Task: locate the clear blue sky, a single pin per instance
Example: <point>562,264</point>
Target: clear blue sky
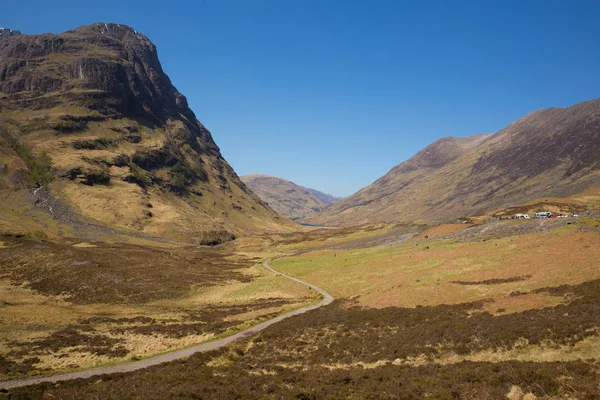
<point>333,93</point>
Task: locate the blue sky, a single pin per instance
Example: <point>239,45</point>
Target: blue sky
<point>331,94</point>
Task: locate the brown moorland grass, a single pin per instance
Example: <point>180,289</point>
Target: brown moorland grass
<point>66,305</point>
<point>345,351</point>
<point>194,379</point>
<point>441,229</point>
<point>510,329</point>
<point>341,238</point>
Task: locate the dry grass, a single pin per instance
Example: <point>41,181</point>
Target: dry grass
<point>123,205</point>
<point>311,238</point>
<point>528,335</point>
<point>587,349</point>
<point>442,229</point>
<point>200,293</point>
<point>409,275</point>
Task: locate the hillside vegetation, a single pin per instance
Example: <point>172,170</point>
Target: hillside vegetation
<point>70,305</point>
<point>90,115</point>
<point>548,153</point>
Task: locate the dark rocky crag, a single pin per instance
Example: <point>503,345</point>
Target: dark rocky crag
<point>5,33</point>
<point>116,61</point>
<point>97,102</point>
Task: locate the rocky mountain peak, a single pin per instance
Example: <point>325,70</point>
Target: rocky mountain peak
<point>117,31</point>
<point>6,33</point>
<point>106,57</point>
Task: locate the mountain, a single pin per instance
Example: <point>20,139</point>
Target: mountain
<point>553,152</point>
<point>92,116</point>
<point>324,197</point>
<point>287,198</point>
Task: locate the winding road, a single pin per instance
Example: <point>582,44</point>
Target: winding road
<point>177,354</point>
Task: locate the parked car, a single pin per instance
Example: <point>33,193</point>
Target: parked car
<point>543,214</point>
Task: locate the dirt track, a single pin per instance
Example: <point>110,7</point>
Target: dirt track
<point>177,354</point>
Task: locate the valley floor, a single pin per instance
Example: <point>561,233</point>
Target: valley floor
<point>70,305</point>
<point>507,309</point>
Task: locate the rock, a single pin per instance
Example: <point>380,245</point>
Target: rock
<point>5,33</point>
<point>138,81</point>
<point>97,177</point>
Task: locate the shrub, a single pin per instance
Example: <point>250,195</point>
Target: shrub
<point>38,165</point>
<point>215,237</point>
<point>139,175</point>
<point>181,177</point>
<point>39,235</point>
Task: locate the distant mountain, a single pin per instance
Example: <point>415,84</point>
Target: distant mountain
<point>549,153</point>
<point>91,114</point>
<point>287,198</point>
<point>324,197</point>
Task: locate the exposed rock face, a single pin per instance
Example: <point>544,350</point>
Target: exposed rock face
<point>287,198</point>
<point>113,59</point>
<point>6,33</point>
<point>548,153</point>
<point>98,102</point>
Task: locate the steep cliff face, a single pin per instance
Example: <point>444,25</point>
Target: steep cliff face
<point>116,61</point>
<point>94,109</point>
<point>547,153</point>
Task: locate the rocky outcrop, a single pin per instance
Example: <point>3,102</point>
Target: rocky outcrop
<point>6,33</point>
<point>110,58</point>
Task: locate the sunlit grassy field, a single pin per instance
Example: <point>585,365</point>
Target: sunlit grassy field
<point>432,272</point>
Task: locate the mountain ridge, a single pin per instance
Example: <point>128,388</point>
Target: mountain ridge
<point>286,197</point>
<point>547,153</point>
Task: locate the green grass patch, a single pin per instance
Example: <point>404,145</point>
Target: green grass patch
<point>39,165</point>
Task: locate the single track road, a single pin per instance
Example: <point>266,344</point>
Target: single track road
<point>177,354</point>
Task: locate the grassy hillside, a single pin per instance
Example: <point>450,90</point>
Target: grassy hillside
<point>548,153</point>
<point>287,198</point>
<point>90,115</point>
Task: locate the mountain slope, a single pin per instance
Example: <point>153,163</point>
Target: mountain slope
<point>324,197</point>
<point>287,198</point>
<point>91,114</point>
<point>548,153</point>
